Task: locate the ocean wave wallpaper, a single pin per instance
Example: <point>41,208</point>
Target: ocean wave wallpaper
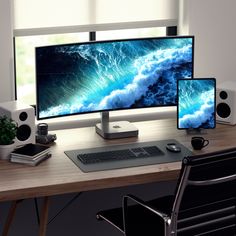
<point>87,77</point>
<point>196,104</point>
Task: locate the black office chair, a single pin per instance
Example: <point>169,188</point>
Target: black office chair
<point>204,202</point>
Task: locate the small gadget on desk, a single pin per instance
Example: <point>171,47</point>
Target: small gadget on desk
<point>196,106</point>
<point>42,135</point>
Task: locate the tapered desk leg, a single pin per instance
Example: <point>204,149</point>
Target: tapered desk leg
<point>10,217</point>
<point>44,217</point>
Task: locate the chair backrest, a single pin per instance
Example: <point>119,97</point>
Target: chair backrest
<point>205,200</point>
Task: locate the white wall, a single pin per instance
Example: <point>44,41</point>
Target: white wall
<point>6,52</point>
<point>213,24</point>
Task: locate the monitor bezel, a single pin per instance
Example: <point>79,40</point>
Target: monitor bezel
<point>107,41</point>
<point>200,128</point>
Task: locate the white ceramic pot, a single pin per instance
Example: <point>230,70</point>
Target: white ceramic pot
<point>5,151</point>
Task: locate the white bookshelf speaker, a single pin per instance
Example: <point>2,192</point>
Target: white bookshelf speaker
<point>226,103</point>
<point>24,116</point>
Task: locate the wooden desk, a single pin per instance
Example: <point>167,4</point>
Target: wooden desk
<point>59,175</point>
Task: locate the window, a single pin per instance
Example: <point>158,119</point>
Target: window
<point>25,60</point>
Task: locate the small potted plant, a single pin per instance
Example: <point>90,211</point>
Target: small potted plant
<point>8,129</point>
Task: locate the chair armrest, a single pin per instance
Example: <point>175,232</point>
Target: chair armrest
<point>138,217</point>
<point>141,203</point>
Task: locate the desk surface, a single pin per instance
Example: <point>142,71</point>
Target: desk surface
<point>59,174</point>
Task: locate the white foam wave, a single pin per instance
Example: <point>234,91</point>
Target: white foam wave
<point>200,116</point>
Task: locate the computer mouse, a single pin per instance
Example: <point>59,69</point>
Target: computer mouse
<point>173,147</point>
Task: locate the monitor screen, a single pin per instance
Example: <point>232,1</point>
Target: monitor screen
<point>196,103</point>
<point>111,75</point>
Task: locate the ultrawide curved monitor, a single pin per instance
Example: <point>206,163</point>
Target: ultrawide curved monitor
<point>111,75</point>
<point>196,104</point>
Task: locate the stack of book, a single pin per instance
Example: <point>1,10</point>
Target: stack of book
<point>31,154</point>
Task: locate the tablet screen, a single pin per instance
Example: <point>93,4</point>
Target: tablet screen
<point>196,103</point>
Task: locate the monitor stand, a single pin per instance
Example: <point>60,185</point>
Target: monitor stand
<point>196,131</point>
<point>117,129</point>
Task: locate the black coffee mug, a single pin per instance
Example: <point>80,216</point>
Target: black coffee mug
<point>199,142</point>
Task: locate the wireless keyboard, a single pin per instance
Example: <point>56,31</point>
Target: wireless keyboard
<point>121,154</point>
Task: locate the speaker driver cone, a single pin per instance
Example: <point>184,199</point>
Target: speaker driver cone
<point>23,132</point>
<point>223,110</point>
